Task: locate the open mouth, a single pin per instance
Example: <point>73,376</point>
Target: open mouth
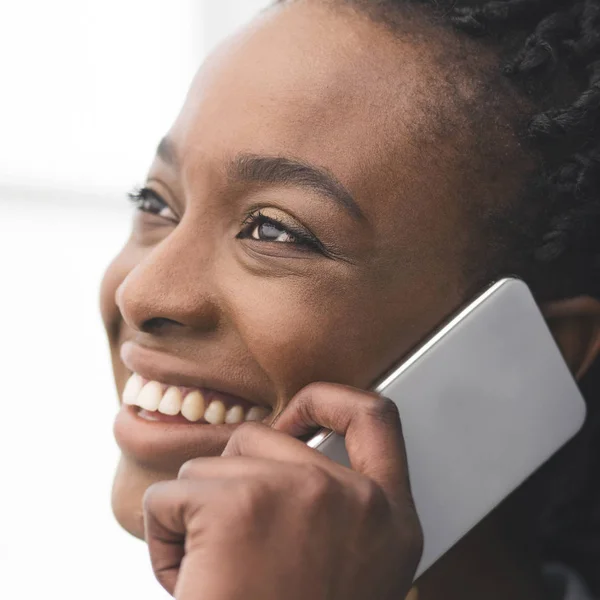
<point>156,401</point>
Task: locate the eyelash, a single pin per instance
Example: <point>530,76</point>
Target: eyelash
<point>301,236</point>
<point>143,197</point>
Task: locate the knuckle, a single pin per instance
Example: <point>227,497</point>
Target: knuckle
<point>317,484</point>
<point>246,501</point>
<point>384,410</point>
<point>371,498</point>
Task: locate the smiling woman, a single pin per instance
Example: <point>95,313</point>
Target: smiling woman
<point>341,177</point>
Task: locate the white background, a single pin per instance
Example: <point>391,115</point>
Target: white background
<point>88,88</point>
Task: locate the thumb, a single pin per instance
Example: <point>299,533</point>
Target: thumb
<point>370,424</point>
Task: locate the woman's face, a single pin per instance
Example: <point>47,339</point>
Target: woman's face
<point>304,224</point>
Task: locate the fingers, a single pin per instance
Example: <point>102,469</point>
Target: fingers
<point>228,467</point>
<point>370,424</point>
<point>259,441</point>
<point>167,508</point>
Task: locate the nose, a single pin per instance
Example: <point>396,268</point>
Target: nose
<point>171,287</point>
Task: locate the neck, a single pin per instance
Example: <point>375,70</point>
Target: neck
<point>494,561</point>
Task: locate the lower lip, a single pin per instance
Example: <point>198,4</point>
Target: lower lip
<point>164,444</point>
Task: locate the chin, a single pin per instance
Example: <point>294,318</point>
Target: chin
<point>129,486</point>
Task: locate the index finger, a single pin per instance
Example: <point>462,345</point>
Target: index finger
<point>370,424</point>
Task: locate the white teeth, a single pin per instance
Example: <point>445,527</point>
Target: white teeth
<point>193,406</point>
<point>132,389</point>
<point>215,413</point>
<point>150,396</point>
<point>256,413</point>
<point>171,402</point>
<point>234,415</point>
<point>155,396</point>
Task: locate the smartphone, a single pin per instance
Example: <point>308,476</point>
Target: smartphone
<point>484,402</point>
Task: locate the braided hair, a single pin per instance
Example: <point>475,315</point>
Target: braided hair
<point>562,45</point>
<point>549,236</point>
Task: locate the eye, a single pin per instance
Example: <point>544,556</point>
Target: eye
<point>262,228</point>
<point>268,231</point>
<point>148,201</point>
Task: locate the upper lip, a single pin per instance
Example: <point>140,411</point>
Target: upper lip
<point>165,368</point>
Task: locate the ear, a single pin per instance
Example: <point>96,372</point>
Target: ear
<point>575,325</point>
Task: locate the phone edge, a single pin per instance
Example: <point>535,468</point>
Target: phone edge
<point>321,436</point>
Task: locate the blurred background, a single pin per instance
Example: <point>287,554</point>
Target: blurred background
<point>88,89</point>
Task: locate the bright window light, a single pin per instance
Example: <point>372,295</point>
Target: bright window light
<point>90,86</point>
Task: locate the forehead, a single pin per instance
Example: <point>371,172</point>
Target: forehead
<point>306,81</point>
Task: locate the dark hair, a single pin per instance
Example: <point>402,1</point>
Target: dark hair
<point>550,235</point>
<point>557,55</point>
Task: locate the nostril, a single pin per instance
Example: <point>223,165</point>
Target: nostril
<point>157,324</point>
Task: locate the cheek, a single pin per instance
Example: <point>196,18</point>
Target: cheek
<point>308,332</point>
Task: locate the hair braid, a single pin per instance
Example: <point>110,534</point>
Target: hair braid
<point>478,19</point>
<point>544,44</point>
<point>577,121</point>
<point>565,38</point>
<point>589,42</point>
<point>575,226</point>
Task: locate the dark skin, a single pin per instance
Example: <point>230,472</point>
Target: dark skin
<point>330,89</point>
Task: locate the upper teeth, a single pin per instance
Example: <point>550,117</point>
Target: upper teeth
<point>152,396</point>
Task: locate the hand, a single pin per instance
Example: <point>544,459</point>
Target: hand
<point>275,519</point>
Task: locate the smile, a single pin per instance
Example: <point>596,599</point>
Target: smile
<point>161,402</point>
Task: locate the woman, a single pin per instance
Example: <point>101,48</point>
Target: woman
<point>343,175</point>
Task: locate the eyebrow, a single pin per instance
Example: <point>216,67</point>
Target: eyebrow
<point>251,168</point>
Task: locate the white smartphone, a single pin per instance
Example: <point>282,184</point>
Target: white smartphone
<point>484,403</point>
